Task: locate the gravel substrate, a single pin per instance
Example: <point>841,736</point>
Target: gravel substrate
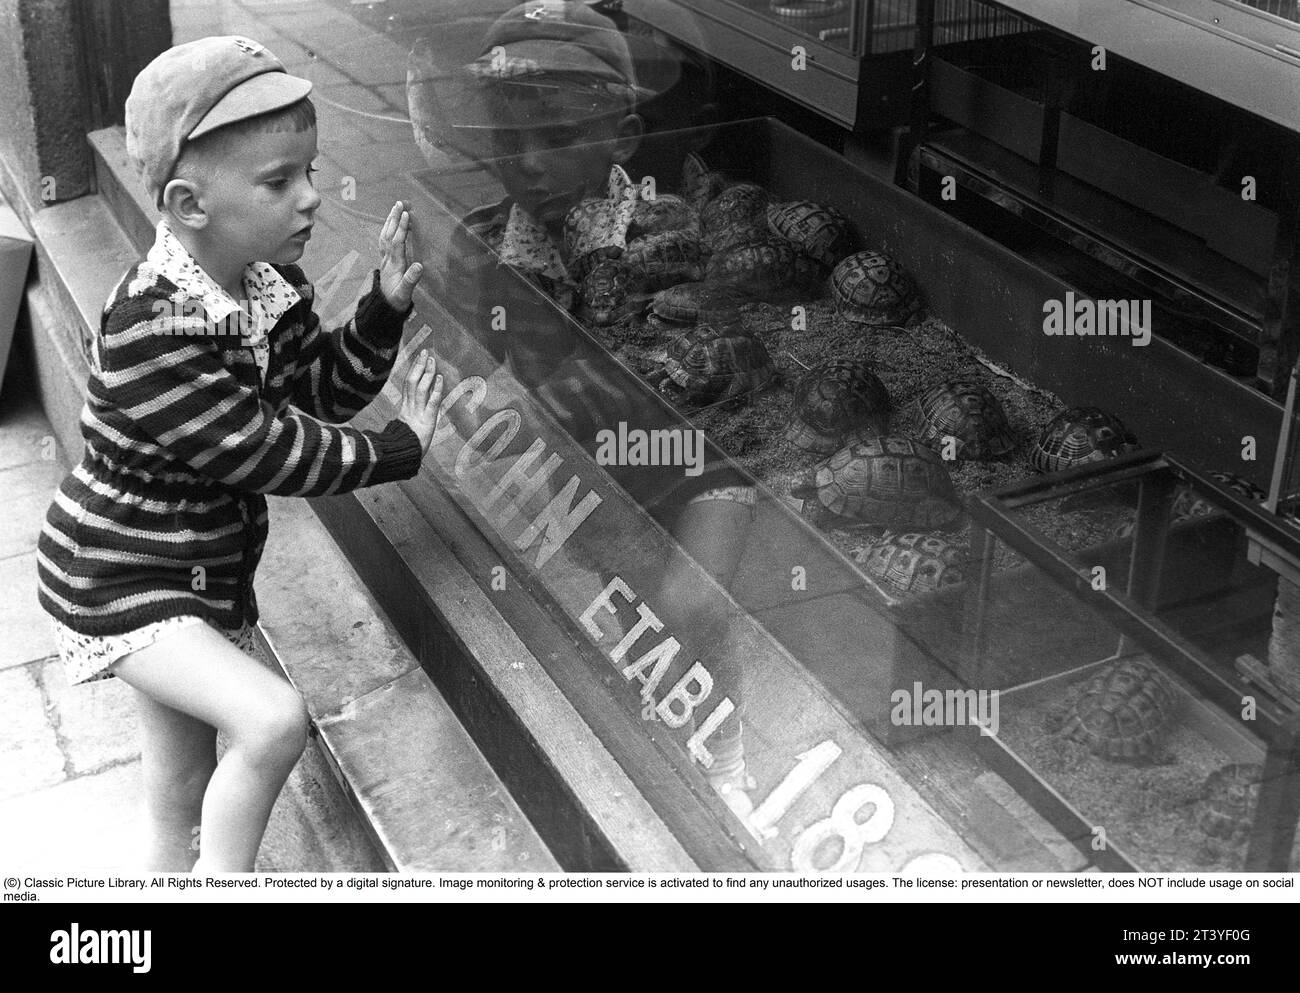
<point>908,361</point>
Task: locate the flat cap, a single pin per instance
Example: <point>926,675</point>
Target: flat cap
<point>195,88</point>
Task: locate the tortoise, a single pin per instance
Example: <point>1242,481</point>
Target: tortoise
<point>753,252</point>
<point>1079,435</point>
<point>872,288</point>
<point>1122,714</point>
<point>818,230</point>
<point>666,212</point>
<point>913,562</point>
<point>608,291</point>
<point>738,212</point>
<point>666,259</point>
<point>710,363</point>
<point>835,402</point>
<point>688,303</point>
<point>965,411</point>
<point>700,184</point>
<point>1228,800</point>
<point>1188,505</point>
<point>886,479</point>
<point>764,265</point>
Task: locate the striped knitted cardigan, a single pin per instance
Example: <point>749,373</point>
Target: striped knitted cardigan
<point>166,512</point>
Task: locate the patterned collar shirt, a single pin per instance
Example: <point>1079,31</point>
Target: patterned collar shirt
<point>268,295</point>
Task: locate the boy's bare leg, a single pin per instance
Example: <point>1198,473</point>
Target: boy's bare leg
<point>198,672</point>
<point>178,756</point>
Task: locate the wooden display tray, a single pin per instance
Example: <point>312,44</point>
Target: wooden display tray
<point>981,290</point>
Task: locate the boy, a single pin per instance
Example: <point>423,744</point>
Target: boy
<point>147,556</point>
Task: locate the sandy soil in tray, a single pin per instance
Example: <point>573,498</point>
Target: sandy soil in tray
<point>908,361</point>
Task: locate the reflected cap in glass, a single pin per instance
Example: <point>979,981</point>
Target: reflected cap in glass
<point>557,40</point>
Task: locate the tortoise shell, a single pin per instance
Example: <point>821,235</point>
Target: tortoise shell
<point>887,480</point>
<point>666,259</point>
<point>608,291</point>
<point>819,231</point>
<point>737,213</point>
<point>687,303</point>
<point>1188,505</point>
<point>963,410</point>
<point>708,362</point>
<point>872,288</point>
<point>762,265</point>
<point>1123,712</point>
<point>1079,435</point>
<point>834,402</point>
<point>666,212</point>
<point>913,563</point>
<point>1228,801</point>
<point>700,184</point>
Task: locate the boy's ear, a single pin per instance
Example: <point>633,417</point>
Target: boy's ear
<point>630,129</point>
<point>181,201</point>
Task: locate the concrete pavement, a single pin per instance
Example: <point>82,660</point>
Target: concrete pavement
<point>70,788</point>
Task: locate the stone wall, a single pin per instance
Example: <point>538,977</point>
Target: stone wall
<point>65,69</point>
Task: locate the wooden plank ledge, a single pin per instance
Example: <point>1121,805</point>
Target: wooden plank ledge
<point>426,795</point>
<point>581,774</point>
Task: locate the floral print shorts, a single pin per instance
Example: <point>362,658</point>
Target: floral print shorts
<point>87,658</point>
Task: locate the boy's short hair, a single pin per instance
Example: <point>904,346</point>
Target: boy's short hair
<point>196,88</point>
<point>198,158</point>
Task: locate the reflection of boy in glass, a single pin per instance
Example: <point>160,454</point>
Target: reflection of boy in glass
<point>549,106</point>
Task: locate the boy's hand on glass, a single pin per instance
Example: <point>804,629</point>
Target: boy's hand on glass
<point>421,398</point>
<point>397,277</point>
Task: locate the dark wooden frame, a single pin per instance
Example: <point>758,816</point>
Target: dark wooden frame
<point>1279,330</point>
<point>117,41</point>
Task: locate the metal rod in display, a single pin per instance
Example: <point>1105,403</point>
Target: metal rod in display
<point>1288,439</point>
<point>993,511</point>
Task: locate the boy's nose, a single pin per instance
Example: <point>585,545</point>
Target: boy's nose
<point>313,201</point>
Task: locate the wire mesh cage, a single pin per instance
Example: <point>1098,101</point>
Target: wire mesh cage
<point>890,25</point>
<point>882,27</point>
<point>1286,9</point>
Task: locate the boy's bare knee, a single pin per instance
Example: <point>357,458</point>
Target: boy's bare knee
<point>277,733</point>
